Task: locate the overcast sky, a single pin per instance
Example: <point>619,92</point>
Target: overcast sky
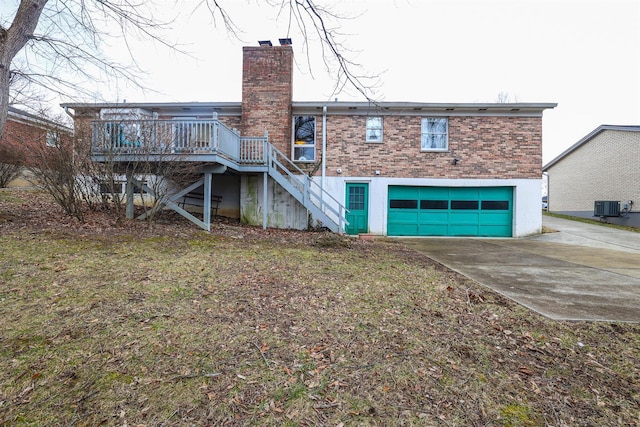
<point>582,54</point>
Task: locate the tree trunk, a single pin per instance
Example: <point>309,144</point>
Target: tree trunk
<point>12,40</point>
<point>4,98</point>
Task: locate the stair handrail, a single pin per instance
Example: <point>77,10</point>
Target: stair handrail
<point>325,199</point>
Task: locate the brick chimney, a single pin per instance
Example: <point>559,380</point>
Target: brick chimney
<point>267,90</point>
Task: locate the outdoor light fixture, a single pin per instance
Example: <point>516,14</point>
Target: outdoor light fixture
<point>265,43</point>
<point>455,161</point>
<point>285,42</point>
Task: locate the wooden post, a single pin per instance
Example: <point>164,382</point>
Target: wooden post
<point>129,213</point>
<point>265,177</point>
<point>266,154</point>
<point>207,200</point>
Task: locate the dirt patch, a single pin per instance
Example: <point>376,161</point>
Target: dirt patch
<point>125,323</point>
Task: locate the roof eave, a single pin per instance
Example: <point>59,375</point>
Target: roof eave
<point>587,138</point>
<point>169,107</point>
<point>421,108</point>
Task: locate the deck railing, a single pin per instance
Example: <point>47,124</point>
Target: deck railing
<point>158,137</point>
<point>252,150</point>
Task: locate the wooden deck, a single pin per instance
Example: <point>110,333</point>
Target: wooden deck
<point>156,141</point>
<point>214,148</point>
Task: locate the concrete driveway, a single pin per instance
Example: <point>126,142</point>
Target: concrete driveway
<point>581,272</point>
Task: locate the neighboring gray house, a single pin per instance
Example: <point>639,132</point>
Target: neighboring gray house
<point>602,167</point>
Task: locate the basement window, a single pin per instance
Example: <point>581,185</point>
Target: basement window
<point>304,138</point>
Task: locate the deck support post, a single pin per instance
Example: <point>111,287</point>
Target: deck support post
<point>129,212</point>
<point>206,216</point>
<point>265,177</point>
<point>267,161</point>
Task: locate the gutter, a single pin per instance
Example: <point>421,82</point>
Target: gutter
<point>67,109</point>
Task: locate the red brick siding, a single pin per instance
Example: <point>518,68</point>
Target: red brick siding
<point>232,122</point>
<point>487,147</point>
<point>21,141</point>
<point>267,88</point>
<point>82,131</point>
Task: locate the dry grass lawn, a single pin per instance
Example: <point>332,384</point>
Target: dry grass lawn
<point>117,324</point>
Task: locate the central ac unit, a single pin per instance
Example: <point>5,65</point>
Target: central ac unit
<point>606,208</point>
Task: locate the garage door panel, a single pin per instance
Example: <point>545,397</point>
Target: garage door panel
<point>494,217</point>
<point>402,222</point>
<point>494,230</point>
<point>487,193</point>
<point>406,193</point>
<point>461,217</point>
<point>433,230</point>
<point>408,215</point>
<point>462,193</point>
<point>434,192</point>
<point>433,217</point>
<point>450,211</point>
<point>463,230</point>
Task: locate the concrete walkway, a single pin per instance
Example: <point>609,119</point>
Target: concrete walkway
<point>580,272</point>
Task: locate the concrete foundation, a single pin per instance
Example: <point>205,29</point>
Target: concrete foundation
<point>631,219</point>
<point>283,210</point>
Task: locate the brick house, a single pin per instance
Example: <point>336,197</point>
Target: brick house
<point>391,168</point>
<point>24,138</point>
<point>598,176</point>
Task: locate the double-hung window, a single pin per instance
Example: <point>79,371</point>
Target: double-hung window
<point>435,134</point>
<point>304,138</point>
<point>53,138</point>
<point>374,129</point>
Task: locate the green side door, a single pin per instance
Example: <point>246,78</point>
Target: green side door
<point>357,195</point>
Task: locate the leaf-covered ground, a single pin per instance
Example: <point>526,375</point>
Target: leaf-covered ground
<point>120,323</point>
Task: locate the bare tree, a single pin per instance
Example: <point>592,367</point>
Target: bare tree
<point>156,169</point>
<point>11,161</point>
<point>505,98</point>
<point>12,41</point>
<point>46,41</point>
<point>57,38</point>
<point>56,167</point>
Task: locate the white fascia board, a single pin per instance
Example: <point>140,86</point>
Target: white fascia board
<point>169,108</point>
<point>423,109</point>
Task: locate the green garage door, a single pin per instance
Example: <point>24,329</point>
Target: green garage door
<point>450,211</point>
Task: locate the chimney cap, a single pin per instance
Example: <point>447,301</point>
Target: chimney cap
<point>285,42</point>
<point>265,43</point>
